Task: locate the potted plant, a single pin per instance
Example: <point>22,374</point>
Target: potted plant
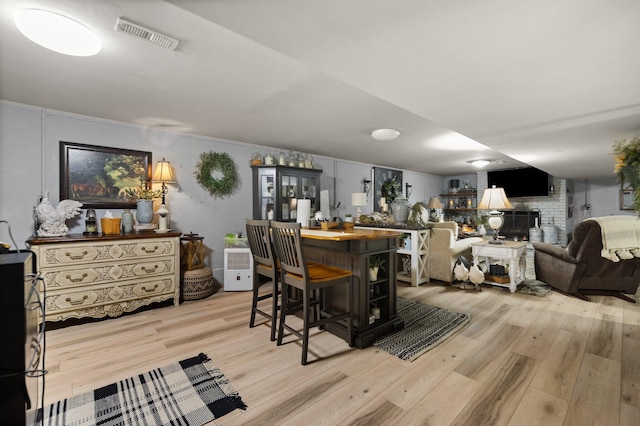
<point>376,263</point>
<point>143,196</point>
<point>348,217</point>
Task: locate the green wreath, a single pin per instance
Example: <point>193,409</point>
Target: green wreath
<point>221,162</point>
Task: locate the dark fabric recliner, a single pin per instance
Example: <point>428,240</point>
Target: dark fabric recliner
<point>580,269</point>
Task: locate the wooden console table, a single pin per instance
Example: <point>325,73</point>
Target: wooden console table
<point>98,276</point>
<point>418,253</point>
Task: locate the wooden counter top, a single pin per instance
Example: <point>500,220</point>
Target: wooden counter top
<point>342,235</point>
<point>71,238</point>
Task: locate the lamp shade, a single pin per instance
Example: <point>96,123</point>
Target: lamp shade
<point>163,172</point>
<point>434,203</point>
<point>359,199</point>
<point>494,199</point>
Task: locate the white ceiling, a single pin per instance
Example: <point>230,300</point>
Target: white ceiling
<point>549,83</point>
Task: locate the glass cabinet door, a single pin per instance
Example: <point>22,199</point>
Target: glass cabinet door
<point>277,190</point>
<point>267,195</point>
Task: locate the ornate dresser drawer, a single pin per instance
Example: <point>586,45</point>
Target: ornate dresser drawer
<point>106,275</point>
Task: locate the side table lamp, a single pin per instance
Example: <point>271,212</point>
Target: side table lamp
<point>164,174</point>
<point>433,206</point>
<point>494,199</point>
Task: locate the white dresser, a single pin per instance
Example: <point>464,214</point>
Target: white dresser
<point>98,276</point>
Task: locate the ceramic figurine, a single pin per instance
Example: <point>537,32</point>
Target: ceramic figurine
<point>52,220</point>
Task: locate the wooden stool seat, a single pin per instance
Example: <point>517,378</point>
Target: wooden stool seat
<point>311,280</point>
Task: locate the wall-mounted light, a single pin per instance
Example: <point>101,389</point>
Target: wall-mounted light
<point>407,189</point>
<point>366,185</point>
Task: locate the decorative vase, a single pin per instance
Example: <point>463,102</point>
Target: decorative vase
<point>373,273</point>
<point>482,230</point>
<point>127,221</point>
<point>400,210</point>
<point>144,211</point>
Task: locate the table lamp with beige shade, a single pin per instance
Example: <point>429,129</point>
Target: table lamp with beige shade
<point>164,174</point>
<point>433,206</point>
<point>493,199</point>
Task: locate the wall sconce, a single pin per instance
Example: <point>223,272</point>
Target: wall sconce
<point>407,189</point>
<point>164,174</point>
<point>366,185</point>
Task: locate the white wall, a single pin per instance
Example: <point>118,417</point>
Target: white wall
<point>29,166</point>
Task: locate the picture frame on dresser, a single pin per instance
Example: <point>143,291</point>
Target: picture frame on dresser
<point>98,176</point>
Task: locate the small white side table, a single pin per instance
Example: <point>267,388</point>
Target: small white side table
<point>510,251</point>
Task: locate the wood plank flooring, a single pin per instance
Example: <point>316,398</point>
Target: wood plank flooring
<point>522,360</point>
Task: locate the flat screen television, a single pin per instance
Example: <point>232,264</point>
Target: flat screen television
<point>523,182</point>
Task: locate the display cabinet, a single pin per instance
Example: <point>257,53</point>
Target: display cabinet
<point>460,204</point>
<point>277,189</point>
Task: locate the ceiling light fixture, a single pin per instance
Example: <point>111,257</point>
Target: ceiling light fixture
<point>480,163</point>
<point>385,134</point>
<point>57,32</point>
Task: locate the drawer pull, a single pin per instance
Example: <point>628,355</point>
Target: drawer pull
<point>150,270</point>
<point>151,251</point>
<point>77,279</point>
<point>77,302</point>
<point>150,290</point>
<point>76,256</point>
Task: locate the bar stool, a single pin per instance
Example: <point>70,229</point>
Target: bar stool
<point>312,279</point>
<point>264,264</point>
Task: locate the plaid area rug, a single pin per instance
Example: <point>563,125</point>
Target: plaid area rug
<point>425,326</point>
<point>190,392</point>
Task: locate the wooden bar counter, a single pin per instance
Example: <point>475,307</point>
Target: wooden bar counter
<point>352,250</point>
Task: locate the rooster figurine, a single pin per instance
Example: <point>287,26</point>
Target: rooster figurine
<point>461,269</point>
<point>52,220</point>
<point>476,276</point>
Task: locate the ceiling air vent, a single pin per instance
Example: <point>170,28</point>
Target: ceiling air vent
<point>135,30</point>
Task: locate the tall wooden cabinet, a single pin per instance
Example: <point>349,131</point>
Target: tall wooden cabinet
<point>276,190</point>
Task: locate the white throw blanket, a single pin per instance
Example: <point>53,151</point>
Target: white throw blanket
<point>620,237</point>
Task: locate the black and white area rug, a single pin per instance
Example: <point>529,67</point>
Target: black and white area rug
<point>190,392</point>
<point>425,326</point>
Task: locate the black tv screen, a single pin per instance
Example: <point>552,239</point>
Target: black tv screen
<point>524,182</point>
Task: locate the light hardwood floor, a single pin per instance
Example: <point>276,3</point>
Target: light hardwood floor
<point>522,360</point>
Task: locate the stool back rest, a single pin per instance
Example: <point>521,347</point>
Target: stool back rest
<point>287,242</point>
<point>259,238</point>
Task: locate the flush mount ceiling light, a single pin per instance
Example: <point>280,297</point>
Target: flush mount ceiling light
<point>480,163</point>
<point>385,134</point>
<point>57,32</point>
